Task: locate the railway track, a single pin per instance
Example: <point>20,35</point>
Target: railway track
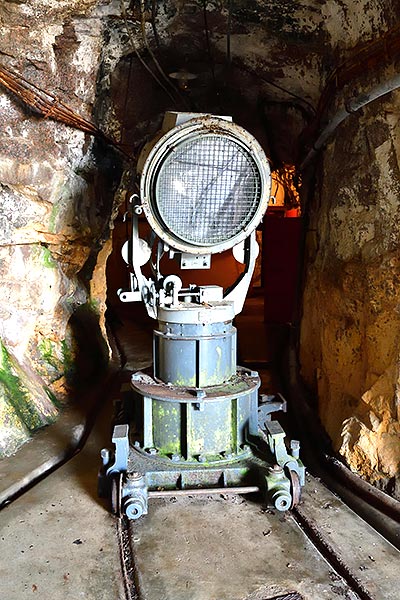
<point>319,550</point>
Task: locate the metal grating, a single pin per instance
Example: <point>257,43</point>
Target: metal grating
<point>207,190</point>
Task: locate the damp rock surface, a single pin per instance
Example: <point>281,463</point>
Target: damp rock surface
<point>52,224</point>
<point>351,323</point>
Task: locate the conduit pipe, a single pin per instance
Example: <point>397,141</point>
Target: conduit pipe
<point>347,109</point>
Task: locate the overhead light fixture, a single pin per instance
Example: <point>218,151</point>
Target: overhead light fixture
<point>183,78</point>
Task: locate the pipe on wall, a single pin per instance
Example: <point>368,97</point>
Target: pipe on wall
<point>347,109</point>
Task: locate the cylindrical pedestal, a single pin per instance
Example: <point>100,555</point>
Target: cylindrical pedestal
<point>199,406</point>
<point>195,346</point>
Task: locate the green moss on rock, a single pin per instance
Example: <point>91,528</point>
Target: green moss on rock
<point>15,393</point>
<point>25,404</point>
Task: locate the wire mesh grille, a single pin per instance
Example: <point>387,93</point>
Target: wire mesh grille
<point>208,189</point>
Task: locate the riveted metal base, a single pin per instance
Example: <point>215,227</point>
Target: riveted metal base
<point>195,424</point>
<point>167,474</point>
<point>144,473</point>
<point>199,423</point>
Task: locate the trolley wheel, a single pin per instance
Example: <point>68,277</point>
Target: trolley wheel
<point>116,494</point>
<point>295,488</point>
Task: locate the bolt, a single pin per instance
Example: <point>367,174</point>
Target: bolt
<point>281,499</point>
<point>200,394</point>
<point>229,455</point>
<point>105,456</point>
<point>202,458</point>
<point>175,457</point>
<point>135,507</point>
<point>246,448</point>
<point>152,451</point>
<point>136,444</point>
<point>266,398</point>
<point>295,448</point>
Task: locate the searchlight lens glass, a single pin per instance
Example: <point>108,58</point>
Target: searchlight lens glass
<point>207,189</point>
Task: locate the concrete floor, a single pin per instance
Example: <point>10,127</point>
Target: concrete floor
<point>225,549</point>
<point>231,548</point>
<point>58,541</point>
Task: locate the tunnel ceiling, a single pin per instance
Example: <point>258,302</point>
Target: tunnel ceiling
<point>264,62</point>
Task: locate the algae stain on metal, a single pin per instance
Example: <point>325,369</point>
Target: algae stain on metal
<point>165,419</point>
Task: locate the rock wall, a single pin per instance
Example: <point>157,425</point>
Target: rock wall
<point>351,322</point>
<point>55,209</point>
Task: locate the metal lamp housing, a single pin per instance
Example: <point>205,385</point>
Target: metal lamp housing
<point>205,185</point>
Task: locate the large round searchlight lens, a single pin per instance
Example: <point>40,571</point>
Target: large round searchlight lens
<point>205,185</point>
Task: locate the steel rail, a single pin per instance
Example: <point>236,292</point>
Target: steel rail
<point>320,542</point>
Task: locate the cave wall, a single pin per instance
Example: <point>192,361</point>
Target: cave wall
<point>53,220</point>
<point>57,183</point>
<point>351,323</point>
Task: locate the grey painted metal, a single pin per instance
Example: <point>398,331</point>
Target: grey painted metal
<point>135,496</point>
<point>274,435</point>
<point>194,312</point>
<point>121,441</point>
<point>240,385</point>
<point>198,355</point>
<point>205,427</point>
<point>199,411</point>
<point>146,469</point>
<point>201,422</point>
<point>244,489</point>
<point>278,488</point>
<point>270,404</point>
<point>199,408</point>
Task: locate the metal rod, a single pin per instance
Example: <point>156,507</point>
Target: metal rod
<point>247,489</point>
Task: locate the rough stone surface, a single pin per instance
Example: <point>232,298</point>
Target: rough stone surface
<point>53,221</point>
<point>351,324</point>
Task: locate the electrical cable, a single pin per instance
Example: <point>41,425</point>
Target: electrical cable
<point>136,51</point>
<point>228,33</point>
<point>275,85</point>
<point>210,55</point>
<point>153,22</point>
<point>50,106</point>
<point>146,43</point>
<point>349,108</point>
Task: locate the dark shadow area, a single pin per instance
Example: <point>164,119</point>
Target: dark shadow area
<point>90,350</point>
